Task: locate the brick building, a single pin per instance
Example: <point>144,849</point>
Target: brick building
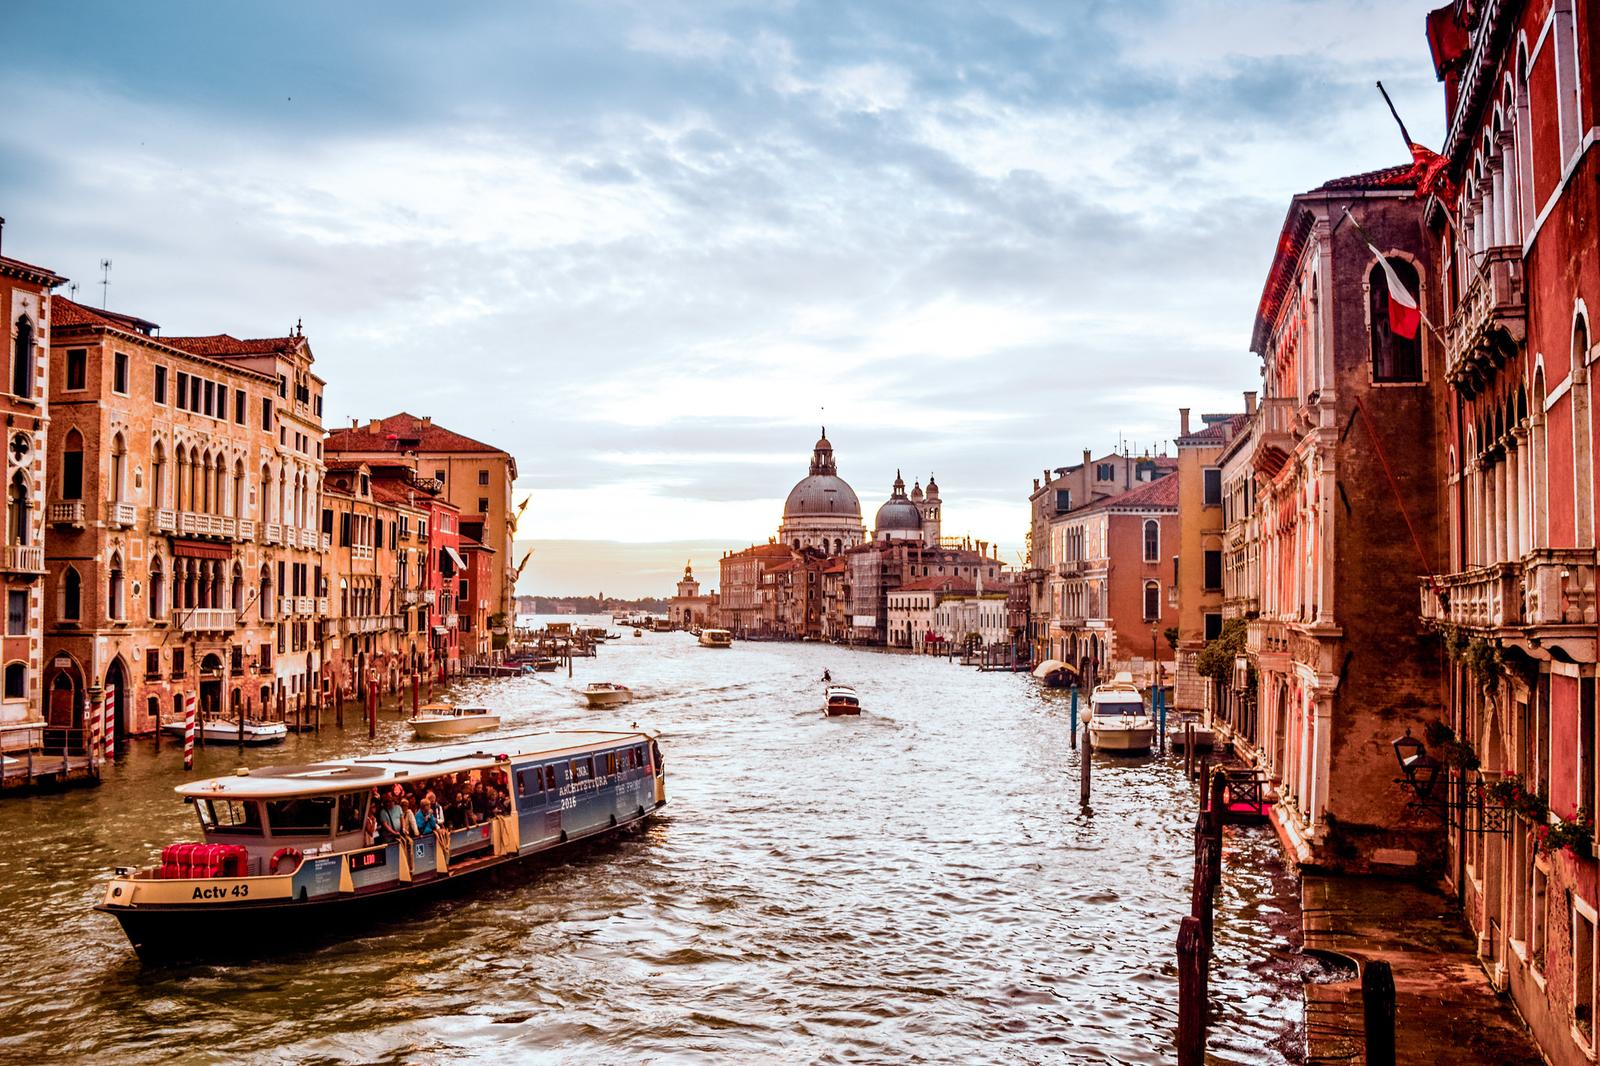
<point>1347,403</point>
<point>26,303</point>
<point>739,609</point>
<point>1200,548</point>
<point>1515,602</point>
<point>163,581</point>
<point>476,477</point>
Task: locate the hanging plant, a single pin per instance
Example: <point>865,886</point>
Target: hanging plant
<point>1485,659</point>
<point>1576,835</point>
<point>1454,641</point>
<point>1513,793</point>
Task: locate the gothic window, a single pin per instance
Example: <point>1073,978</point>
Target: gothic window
<point>71,595</point>
<point>22,359</point>
<point>1152,601</point>
<point>1152,541</point>
<point>114,589</point>
<point>1395,358</point>
<point>119,466</point>
<point>158,588</point>
<point>16,681</point>
<point>17,500</point>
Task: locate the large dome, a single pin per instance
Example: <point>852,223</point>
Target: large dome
<point>822,495</point>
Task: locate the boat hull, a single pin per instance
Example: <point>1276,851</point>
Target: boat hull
<point>463,726</point>
<point>172,933</point>
<point>226,733</point>
<point>607,699</point>
<point>1123,738</point>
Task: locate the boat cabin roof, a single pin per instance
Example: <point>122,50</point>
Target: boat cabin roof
<point>371,771</point>
<point>841,691</point>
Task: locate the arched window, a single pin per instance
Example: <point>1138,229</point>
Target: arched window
<point>264,594</point>
<point>1395,357</point>
<point>114,600</point>
<point>16,681</point>
<point>238,489</point>
<point>22,359</point>
<point>1152,601</point>
<point>72,466</point>
<point>236,585</point>
<point>158,588</point>
<point>1582,457</point>
<point>18,513</point>
<point>119,467</point>
<point>71,595</point>
<point>1152,541</point>
<point>158,476</point>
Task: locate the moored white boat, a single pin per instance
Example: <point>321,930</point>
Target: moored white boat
<point>1118,718</point>
<point>223,731</point>
<point>607,694</point>
<point>435,721</point>
<point>716,638</point>
<point>840,700</point>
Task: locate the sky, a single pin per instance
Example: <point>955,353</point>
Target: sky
<point>649,247</point>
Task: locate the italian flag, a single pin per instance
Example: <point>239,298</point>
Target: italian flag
<point>1405,317</point>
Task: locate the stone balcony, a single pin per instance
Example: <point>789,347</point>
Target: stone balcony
<point>247,529</point>
<point>207,620</point>
<point>120,515</point>
<point>360,551</point>
<point>67,513</point>
<point>1266,636</point>
<point>322,606</point>
<point>408,596</point>
<point>429,596</point>
<point>198,524</point>
<point>1490,324</point>
<point>1485,597</point>
<point>22,559</point>
<point>1548,600</point>
<point>163,520</point>
<point>1559,587</point>
<point>305,604</point>
<point>1069,568</point>
<point>272,533</point>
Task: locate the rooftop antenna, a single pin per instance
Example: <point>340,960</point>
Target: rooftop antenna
<point>105,281</point>
<point>72,291</point>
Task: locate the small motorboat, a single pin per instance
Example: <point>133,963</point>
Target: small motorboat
<point>546,665</point>
<point>716,638</point>
<point>1118,718</point>
<point>435,720</point>
<point>607,694</point>
<point>1177,736</point>
<point>1053,673</point>
<point>223,731</point>
<point>638,632</point>
<point>839,700</point>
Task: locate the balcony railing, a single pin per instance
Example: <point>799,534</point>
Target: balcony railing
<point>327,541</point>
<point>120,515</point>
<point>163,520</point>
<point>361,551</point>
<point>451,621</point>
<point>1069,567</point>
<point>291,537</point>
<point>1267,637</point>
<point>67,513</point>
<point>1491,322</point>
<point>247,529</point>
<point>206,620</point>
<point>272,533</point>
<point>430,596</point>
<point>1486,597</point>
<point>1559,587</point>
<point>322,605</point>
<point>408,596</point>
<point>304,604</point>
<point>197,524</point>
<point>286,605</point>
<point>23,558</point>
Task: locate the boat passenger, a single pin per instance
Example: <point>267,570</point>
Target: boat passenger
<point>826,677</point>
<point>500,803</point>
<point>369,831</point>
<point>408,822</point>
<point>391,818</point>
<point>461,811</point>
<point>482,808</point>
<point>427,821</point>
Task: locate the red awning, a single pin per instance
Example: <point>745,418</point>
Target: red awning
<point>199,549</point>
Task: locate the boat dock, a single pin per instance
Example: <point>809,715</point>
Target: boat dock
<point>34,760</point>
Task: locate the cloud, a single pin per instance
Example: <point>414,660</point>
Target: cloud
<point>643,244</point>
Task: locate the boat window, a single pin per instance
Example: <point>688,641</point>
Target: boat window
<point>352,811</point>
<point>303,814</point>
<point>550,777</point>
<point>230,816</point>
<point>529,782</point>
<point>581,769</point>
<point>611,762</point>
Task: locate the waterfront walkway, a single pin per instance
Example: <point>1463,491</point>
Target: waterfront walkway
<point>1446,1012</point>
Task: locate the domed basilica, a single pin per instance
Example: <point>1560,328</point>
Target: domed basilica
<point>823,513</point>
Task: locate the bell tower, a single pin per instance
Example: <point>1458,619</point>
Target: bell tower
<point>688,587</point>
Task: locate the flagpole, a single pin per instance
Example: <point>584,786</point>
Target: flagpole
<point>1397,120</point>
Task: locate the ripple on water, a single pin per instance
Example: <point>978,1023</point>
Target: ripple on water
<point>918,885</point>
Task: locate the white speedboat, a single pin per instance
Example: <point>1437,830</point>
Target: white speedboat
<point>716,638</point>
<point>839,700</point>
<point>606,694</point>
<point>1118,718</point>
<point>223,731</point>
<point>435,720</point>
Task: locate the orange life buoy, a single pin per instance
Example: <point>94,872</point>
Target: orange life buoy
<point>283,853</point>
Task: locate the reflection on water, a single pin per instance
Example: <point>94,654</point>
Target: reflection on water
<point>915,885</point>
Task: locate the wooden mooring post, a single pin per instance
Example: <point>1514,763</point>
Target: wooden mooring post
<point>1377,1009</point>
<point>1085,761</point>
<point>1193,961</point>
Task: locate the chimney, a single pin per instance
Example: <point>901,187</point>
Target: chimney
<point>1183,421</point>
<point>2,229</point>
<point>1087,458</point>
<point>1250,402</point>
<point>1035,484</point>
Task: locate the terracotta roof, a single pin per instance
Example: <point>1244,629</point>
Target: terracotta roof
<point>1217,432</point>
<point>947,583</point>
<point>1160,493</point>
<point>836,565</point>
<point>223,346</point>
<point>403,432</point>
<point>1399,176</point>
<point>394,493</point>
<point>65,312</point>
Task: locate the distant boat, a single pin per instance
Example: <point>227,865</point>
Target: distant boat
<point>638,632</point>
<point>434,721</point>
<point>607,694</point>
<point>1118,718</point>
<point>716,638</point>
<point>840,700</point>
<point>546,665</point>
<point>222,731</point>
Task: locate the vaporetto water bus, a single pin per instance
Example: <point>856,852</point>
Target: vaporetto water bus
<point>293,850</point>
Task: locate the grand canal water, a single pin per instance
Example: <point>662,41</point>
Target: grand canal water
<point>917,885</point>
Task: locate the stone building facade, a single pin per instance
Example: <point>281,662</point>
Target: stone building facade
<point>26,304</point>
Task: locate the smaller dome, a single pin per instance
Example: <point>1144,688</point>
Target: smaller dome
<point>916,491</point>
<point>898,514</point>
